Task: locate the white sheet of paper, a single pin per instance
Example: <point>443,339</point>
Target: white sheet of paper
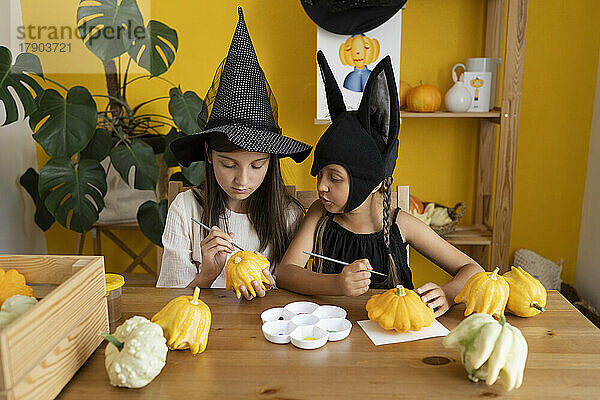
<point>380,336</point>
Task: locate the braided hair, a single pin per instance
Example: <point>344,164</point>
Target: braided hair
<point>392,279</point>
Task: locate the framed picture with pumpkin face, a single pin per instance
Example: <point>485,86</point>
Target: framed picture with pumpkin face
<point>352,57</point>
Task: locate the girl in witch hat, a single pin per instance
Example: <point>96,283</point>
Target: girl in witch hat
<point>243,197</point>
<point>353,220</point>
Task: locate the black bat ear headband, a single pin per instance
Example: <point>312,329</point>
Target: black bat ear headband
<point>365,141</point>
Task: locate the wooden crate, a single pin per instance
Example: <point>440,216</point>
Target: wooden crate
<point>41,350</point>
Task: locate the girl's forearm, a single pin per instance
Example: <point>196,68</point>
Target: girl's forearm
<point>300,280</point>
<point>452,288</point>
<point>202,280</point>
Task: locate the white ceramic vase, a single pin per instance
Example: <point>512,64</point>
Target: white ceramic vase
<point>458,98</point>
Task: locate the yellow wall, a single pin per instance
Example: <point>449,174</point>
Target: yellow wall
<point>437,158</point>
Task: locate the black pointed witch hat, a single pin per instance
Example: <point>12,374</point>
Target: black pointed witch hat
<point>242,108</point>
<point>351,17</point>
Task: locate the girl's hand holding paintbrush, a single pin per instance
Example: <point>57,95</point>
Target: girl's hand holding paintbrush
<point>355,278</point>
<point>215,247</point>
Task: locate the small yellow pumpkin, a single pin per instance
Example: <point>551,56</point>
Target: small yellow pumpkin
<point>244,267</point>
<point>527,295</point>
<point>400,309</point>
<point>185,321</point>
<point>484,292</point>
<point>11,283</point>
<point>424,98</point>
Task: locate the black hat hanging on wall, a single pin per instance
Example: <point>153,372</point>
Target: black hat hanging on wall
<point>243,108</point>
<point>365,141</point>
<point>351,17</point>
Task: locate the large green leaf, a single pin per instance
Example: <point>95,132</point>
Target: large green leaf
<point>151,217</point>
<point>189,111</point>
<point>169,157</point>
<point>68,123</point>
<point>99,147</point>
<point>73,189</point>
<point>105,24</point>
<point>153,48</point>
<point>194,173</point>
<point>30,181</point>
<point>18,77</point>
<point>139,155</point>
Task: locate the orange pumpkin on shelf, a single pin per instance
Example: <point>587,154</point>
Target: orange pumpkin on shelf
<point>424,98</point>
<point>404,89</point>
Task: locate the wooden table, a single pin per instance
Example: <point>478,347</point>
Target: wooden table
<point>239,363</point>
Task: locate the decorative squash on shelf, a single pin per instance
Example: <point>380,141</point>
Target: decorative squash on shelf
<point>490,349</point>
<point>244,267</point>
<point>403,92</point>
<point>15,306</point>
<point>136,353</point>
<point>415,204</point>
<point>424,98</point>
<point>400,309</point>
<point>185,321</point>
<point>484,292</point>
<point>527,295</point>
<point>11,283</point>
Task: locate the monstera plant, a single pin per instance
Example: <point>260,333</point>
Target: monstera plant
<point>77,136</point>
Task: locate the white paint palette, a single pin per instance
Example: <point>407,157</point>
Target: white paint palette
<point>305,324</point>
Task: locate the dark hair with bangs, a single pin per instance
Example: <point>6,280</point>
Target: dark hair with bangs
<point>267,207</point>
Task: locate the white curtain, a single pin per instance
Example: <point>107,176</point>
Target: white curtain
<point>587,274</point>
<point>18,232</point>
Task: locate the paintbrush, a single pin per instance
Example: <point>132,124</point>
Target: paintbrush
<point>208,229</point>
<point>339,262</point>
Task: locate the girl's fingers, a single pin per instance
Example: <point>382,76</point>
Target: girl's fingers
<point>427,287</point>
<point>441,311</point>
<point>259,290</point>
<point>440,301</point>
<point>217,251</point>
<point>269,277</point>
<point>219,233</point>
<point>219,242</point>
<point>359,291</point>
<point>361,276</point>
<point>432,295</point>
<point>358,265</point>
<point>245,292</point>
<point>361,283</point>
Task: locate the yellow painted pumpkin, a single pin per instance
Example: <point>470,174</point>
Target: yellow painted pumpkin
<point>11,283</point>
<point>244,267</point>
<point>358,51</point>
<point>527,295</point>
<point>399,309</point>
<point>484,292</point>
<point>424,98</point>
<point>185,321</point>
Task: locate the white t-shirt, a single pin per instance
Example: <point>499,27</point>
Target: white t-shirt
<point>182,256</point>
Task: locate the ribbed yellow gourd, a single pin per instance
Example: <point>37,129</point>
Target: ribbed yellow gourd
<point>185,321</point>
<point>484,292</point>
<point>244,267</point>
<point>527,295</point>
<point>399,309</point>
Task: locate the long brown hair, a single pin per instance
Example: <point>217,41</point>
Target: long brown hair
<point>392,279</point>
<point>268,207</point>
